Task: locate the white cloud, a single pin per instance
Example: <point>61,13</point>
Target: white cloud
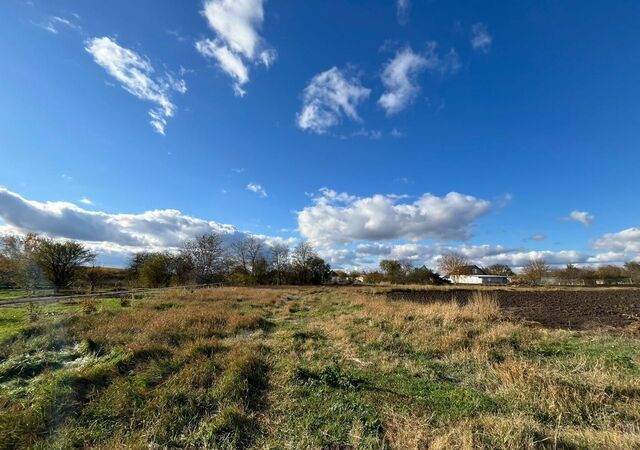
<point>237,41</point>
<point>373,249</point>
<point>583,217</point>
<point>54,23</point>
<point>335,218</point>
<point>339,257</point>
<point>520,258</point>
<point>625,242</point>
<point>402,10</point>
<point>481,40</point>
<point>538,237</point>
<point>258,189</point>
<point>86,201</point>
<point>328,97</point>
<point>137,76</point>
<point>113,236</point>
<point>341,218</point>
<point>399,79</point>
<point>158,228</point>
<point>400,74</point>
<point>228,61</point>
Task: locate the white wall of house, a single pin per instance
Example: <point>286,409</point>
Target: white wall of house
<point>479,279</point>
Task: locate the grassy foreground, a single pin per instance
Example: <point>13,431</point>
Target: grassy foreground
<point>333,368</point>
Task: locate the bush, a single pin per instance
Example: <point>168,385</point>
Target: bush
<point>88,305</point>
<point>34,312</point>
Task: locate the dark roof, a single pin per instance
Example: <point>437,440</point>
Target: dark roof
<point>472,270</point>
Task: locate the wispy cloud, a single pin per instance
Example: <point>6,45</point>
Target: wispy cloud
<point>55,23</point>
<point>583,217</point>
<point>369,134</point>
<point>396,133</point>
<point>329,97</point>
<point>402,10</point>
<point>258,189</point>
<point>176,34</point>
<point>237,42</point>
<point>86,201</point>
<point>400,74</point>
<point>137,76</point>
<point>505,199</point>
<point>481,40</point>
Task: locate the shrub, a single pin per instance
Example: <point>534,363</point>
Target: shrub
<point>88,305</point>
<point>34,312</point>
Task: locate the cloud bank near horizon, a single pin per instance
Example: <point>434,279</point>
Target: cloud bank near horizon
<point>349,231</point>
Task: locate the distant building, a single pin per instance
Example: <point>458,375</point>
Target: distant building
<point>339,278</point>
<point>475,275</point>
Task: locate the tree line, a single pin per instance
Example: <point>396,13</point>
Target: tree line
<point>247,260</point>
<point>34,262</point>
<point>398,271</point>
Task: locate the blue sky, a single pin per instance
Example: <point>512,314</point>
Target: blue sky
<point>348,123</point>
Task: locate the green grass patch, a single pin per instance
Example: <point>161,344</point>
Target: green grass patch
<point>12,320</point>
<point>612,351</point>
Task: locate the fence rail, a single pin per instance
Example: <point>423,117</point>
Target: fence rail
<point>58,298</point>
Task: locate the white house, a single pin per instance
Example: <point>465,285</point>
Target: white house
<point>475,275</point>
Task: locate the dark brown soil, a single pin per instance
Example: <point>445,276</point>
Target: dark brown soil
<point>571,309</point>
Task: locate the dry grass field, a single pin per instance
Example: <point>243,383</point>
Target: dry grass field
<point>318,368</point>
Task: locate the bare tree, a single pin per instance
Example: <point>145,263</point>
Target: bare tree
<point>247,252</point>
<point>453,263</point>
<point>280,260</point>
<point>535,270</point>
<point>254,254</point>
<point>206,257</point>
<point>301,259</point>
<point>240,254</point>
